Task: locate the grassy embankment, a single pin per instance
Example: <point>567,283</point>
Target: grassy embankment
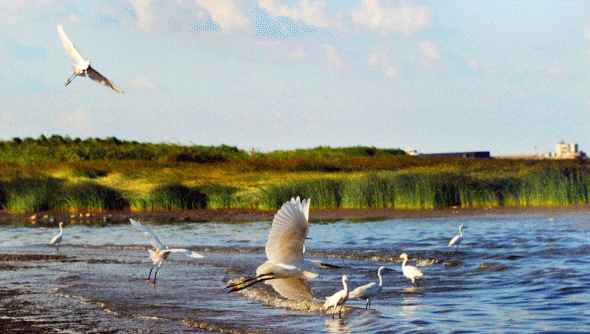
<point>58,173</point>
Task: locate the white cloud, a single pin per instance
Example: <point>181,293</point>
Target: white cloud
<point>429,51</point>
<point>404,18</point>
<point>226,13</point>
<point>143,13</point>
<point>382,62</point>
<point>334,57</point>
<point>310,12</point>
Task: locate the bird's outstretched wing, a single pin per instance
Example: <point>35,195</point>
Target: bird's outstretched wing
<point>323,265</point>
<point>292,288</point>
<point>186,252</point>
<point>154,240</point>
<point>69,46</point>
<point>101,79</point>
<point>288,232</point>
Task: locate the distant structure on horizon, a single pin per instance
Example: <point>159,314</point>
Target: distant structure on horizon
<point>469,154</point>
<point>472,154</point>
<point>565,150</point>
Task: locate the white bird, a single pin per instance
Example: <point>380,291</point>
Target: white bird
<point>284,247</point>
<point>337,300</point>
<point>160,252</point>
<point>56,240</point>
<point>368,291</point>
<point>82,66</point>
<point>456,240</point>
<point>410,272</point>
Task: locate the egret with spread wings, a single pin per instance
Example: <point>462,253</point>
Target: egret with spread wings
<point>284,247</point>
<point>160,252</point>
<point>82,66</point>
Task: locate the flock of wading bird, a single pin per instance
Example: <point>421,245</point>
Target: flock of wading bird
<point>285,249</point>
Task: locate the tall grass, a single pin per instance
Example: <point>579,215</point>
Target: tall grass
<point>89,197</point>
<point>29,194</point>
<point>546,187</point>
<point>172,196</point>
<point>325,193</point>
<point>46,174</point>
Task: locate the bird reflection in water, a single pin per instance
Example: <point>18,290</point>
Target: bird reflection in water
<point>336,326</point>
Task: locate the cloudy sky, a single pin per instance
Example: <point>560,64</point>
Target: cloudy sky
<point>505,76</point>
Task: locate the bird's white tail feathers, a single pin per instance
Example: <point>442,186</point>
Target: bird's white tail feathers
<point>308,275</point>
<point>153,255</point>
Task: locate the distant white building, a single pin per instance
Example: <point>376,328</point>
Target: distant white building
<point>567,151</point>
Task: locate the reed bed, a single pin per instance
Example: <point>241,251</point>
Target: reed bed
<point>547,187</point>
<point>169,197</point>
<point>61,173</point>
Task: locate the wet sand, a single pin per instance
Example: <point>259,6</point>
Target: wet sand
<point>248,215</point>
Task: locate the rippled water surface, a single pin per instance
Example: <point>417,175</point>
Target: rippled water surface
<point>518,273</point>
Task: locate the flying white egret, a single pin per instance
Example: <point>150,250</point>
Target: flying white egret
<point>368,291</point>
<point>160,252</point>
<point>337,300</point>
<point>284,247</point>
<point>82,66</point>
<point>56,240</point>
<point>410,272</point>
<point>456,240</point>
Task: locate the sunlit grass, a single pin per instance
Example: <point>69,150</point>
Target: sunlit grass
<point>50,174</point>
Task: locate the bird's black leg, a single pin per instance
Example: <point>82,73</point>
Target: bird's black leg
<point>70,79</point>
<point>333,312</point>
<point>248,279</point>
<point>156,274</point>
<point>150,273</point>
<point>238,287</point>
<point>340,312</point>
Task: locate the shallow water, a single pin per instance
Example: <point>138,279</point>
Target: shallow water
<point>519,273</point>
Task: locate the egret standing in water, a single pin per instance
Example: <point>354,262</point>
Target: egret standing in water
<point>410,272</point>
<point>368,291</point>
<point>338,299</point>
<point>456,240</point>
<point>284,247</point>
<point>56,240</point>
<point>82,66</point>
<point>160,252</point>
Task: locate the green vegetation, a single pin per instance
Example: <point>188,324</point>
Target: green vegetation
<point>60,173</point>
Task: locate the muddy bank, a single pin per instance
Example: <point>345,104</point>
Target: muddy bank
<point>247,215</point>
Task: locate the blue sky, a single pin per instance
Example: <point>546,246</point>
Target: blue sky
<point>506,76</point>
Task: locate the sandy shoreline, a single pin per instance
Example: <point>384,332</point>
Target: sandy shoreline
<point>246,215</point>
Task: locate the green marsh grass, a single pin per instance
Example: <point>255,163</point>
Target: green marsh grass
<point>29,194</point>
<point>89,197</point>
<point>172,196</point>
<point>62,173</point>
